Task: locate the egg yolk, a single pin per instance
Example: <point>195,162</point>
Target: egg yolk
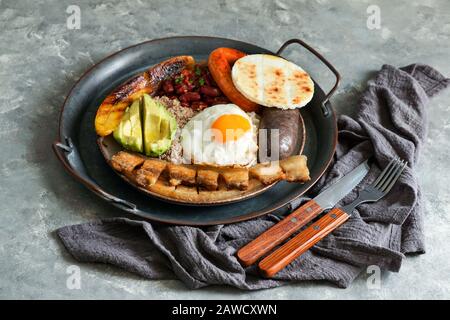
<point>230,127</point>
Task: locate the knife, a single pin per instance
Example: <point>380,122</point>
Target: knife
<point>307,238</point>
<point>327,199</point>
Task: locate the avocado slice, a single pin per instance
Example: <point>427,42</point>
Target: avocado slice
<point>168,127</point>
<point>123,130</point>
<point>136,142</point>
<point>159,127</point>
<point>129,131</point>
<point>118,133</point>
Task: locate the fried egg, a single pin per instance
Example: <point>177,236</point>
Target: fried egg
<point>221,135</point>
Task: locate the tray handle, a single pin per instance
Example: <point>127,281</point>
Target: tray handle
<point>325,105</point>
<point>62,151</point>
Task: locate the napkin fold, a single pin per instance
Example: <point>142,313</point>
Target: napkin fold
<point>391,121</point>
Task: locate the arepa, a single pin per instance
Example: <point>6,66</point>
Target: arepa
<point>272,81</point>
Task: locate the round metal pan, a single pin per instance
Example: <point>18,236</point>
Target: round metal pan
<point>77,148</point>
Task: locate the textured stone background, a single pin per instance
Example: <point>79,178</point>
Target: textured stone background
<point>40,59</point>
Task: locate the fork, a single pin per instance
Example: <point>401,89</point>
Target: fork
<point>299,244</point>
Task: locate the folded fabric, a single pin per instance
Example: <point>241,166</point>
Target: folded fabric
<point>391,121</point>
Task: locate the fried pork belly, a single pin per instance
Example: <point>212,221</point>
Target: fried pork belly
<point>295,169</point>
<point>149,172</point>
<point>189,181</point>
<point>125,162</point>
<point>181,174</point>
<point>185,192</point>
<point>236,178</point>
<point>267,173</point>
<point>207,179</point>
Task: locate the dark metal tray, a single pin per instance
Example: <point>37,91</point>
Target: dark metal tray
<point>77,149</point>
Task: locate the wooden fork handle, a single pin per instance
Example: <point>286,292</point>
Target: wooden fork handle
<point>299,244</point>
<point>269,239</point>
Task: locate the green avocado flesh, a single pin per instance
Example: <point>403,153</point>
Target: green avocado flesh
<point>129,131</point>
<point>146,126</point>
<point>159,127</point>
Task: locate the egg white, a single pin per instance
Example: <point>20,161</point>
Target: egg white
<point>200,147</point>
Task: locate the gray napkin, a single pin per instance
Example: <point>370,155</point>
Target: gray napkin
<point>391,121</point>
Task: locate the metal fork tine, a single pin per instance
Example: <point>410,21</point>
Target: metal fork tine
<point>381,175</point>
<point>394,180</point>
<point>388,173</point>
<point>387,180</point>
<point>381,186</point>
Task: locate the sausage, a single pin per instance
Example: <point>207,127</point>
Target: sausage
<point>288,124</point>
<point>219,64</point>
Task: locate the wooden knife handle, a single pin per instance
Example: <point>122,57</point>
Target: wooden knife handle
<point>269,239</point>
<point>299,244</point>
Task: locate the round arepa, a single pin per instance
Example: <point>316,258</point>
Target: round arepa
<point>272,81</point>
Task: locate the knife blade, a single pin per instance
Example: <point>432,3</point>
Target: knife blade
<point>328,198</point>
<point>269,239</point>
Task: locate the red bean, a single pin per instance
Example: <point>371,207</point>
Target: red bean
<point>210,91</point>
<point>168,86</point>
<point>181,89</point>
<point>193,88</point>
<point>190,96</point>
<point>208,100</point>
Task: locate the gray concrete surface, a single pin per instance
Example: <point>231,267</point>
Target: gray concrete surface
<point>40,59</point>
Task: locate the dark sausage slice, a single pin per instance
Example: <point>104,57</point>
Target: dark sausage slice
<point>287,122</point>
